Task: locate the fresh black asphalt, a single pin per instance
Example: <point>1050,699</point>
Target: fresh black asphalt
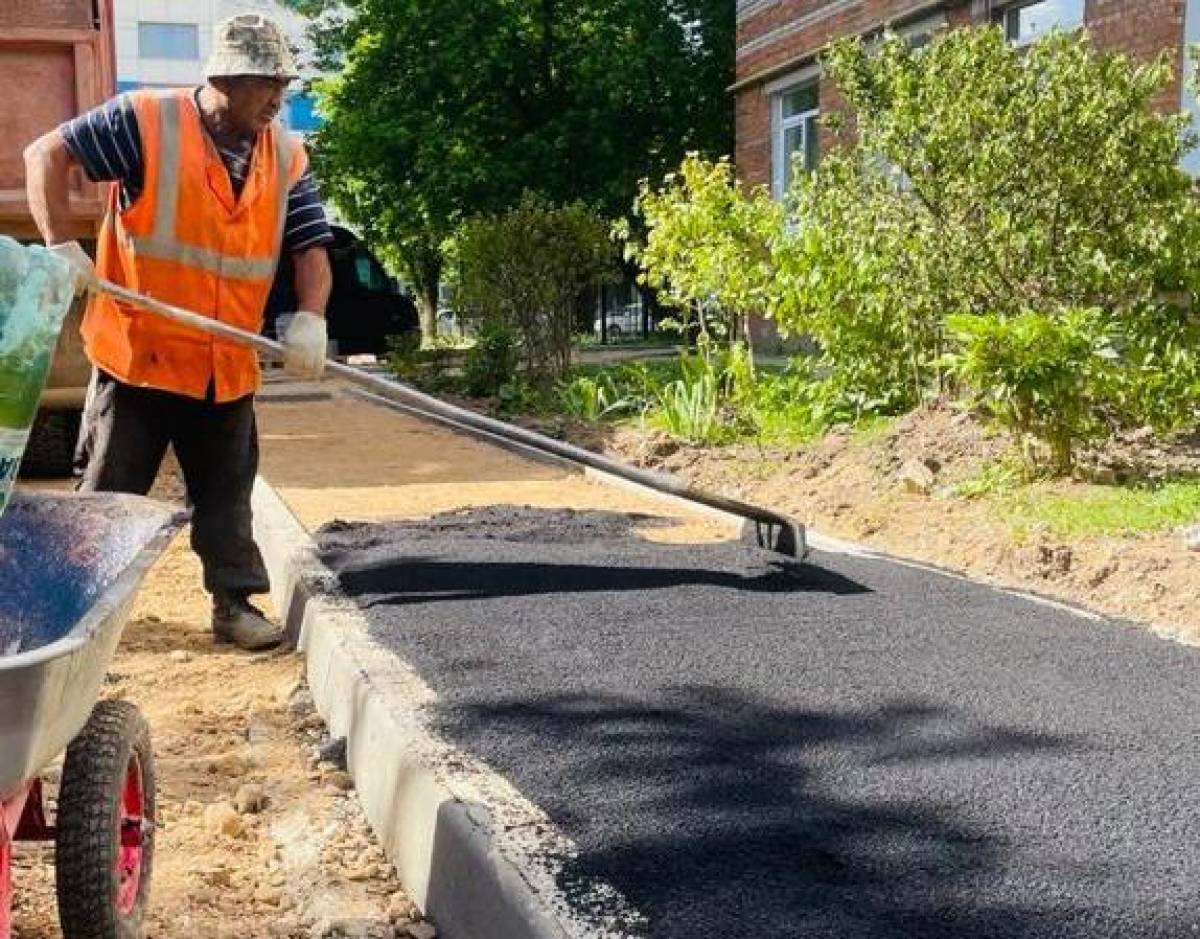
<point>856,748</point>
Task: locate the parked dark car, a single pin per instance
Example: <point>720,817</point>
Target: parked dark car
<point>365,307</point>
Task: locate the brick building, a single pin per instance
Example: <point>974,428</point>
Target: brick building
<point>780,92</point>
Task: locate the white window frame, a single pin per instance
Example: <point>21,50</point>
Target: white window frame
<point>781,125</point>
<point>1008,10</point>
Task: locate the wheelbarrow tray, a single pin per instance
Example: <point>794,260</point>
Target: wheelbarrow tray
<point>70,566</point>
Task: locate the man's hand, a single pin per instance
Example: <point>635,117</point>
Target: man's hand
<point>304,345</point>
<point>85,271</point>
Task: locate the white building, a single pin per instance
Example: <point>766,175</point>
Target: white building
<point>164,43</point>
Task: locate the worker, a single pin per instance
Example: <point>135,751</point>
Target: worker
<point>208,190</point>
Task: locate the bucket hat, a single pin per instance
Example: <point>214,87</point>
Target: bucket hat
<point>251,44</point>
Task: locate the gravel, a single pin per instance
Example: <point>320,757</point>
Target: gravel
<point>58,554</point>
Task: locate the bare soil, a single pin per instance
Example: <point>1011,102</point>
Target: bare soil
<point>303,864</point>
<point>349,459</point>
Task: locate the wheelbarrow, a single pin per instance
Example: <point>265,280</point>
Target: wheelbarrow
<point>70,566</point>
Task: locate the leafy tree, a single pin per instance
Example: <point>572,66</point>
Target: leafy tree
<point>441,109</point>
<point>526,270</point>
<point>707,247</point>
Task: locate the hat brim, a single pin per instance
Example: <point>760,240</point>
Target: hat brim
<point>224,66</point>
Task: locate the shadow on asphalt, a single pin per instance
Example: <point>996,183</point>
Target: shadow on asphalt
<point>422,580</point>
<point>863,751</point>
<point>725,823</point>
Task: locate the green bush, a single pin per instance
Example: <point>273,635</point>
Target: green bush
<point>492,362</point>
<point>527,270</point>
<point>429,369</point>
<point>689,409</point>
<point>706,248</point>
<point>983,181</point>
<point>1156,377</point>
<point>706,404</point>
<point>1041,377</point>
<point>595,398</point>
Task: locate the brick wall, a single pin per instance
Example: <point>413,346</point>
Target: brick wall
<point>789,28</point>
<point>774,33</point>
<point>753,127</point>
<point>1143,29</point>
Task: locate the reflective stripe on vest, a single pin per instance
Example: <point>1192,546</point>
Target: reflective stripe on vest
<point>162,243</point>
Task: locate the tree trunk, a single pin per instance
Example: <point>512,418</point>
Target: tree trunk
<point>427,304</point>
<point>424,265</point>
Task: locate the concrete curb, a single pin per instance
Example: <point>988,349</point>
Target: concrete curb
<point>476,856</point>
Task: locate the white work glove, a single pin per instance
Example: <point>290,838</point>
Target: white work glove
<point>304,345</point>
<point>85,271</point>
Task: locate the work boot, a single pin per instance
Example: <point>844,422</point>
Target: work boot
<point>236,620</point>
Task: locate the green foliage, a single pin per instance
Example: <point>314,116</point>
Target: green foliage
<point>1033,189</point>
<point>429,369</point>
<point>1041,377</point>
<point>707,402</point>
<point>1156,378</point>
<point>492,362</point>
<point>519,396</point>
<point>440,109</point>
<point>784,408</point>
<point>595,398</point>
<point>1107,510</point>
<point>689,408</point>
<point>707,247</point>
<point>527,270</point>
<point>1031,178</point>
<point>995,479</point>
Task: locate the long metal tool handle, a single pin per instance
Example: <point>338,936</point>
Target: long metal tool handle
<point>769,529</point>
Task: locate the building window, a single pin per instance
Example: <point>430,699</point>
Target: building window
<point>795,144</point>
<point>169,41</point>
<point>920,33</point>
<point>1026,22</point>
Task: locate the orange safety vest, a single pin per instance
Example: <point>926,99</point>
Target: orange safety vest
<point>188,241</point>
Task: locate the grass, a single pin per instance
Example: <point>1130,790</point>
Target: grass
<point>1106,510</point>
<point>995,479</point>
<point>871,428</point>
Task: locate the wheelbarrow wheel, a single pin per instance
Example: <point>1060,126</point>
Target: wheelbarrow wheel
<point>105,843</point>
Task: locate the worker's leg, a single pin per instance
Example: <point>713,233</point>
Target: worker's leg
<point>124,437</point>
<point>217,446</point>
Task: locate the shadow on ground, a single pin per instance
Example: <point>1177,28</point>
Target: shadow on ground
<point>728,822</point>
<point>426,580</point>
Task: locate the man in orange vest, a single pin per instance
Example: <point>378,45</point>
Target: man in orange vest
<point>208,190</point>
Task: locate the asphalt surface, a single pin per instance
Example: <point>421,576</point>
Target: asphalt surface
<point>854,749</point>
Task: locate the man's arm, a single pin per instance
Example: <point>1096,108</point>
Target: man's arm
<point>313,279</point>
<point>48,165</point>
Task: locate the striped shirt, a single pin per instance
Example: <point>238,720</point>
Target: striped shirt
<point>108,145</point>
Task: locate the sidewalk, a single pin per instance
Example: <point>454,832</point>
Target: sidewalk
<point>339,457</point>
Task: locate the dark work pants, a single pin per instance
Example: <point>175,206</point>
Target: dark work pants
<point>125,435</point>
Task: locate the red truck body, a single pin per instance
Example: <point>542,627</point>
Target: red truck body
<point>57,60</point>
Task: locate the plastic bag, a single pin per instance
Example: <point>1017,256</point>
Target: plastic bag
<point>36,290</point>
